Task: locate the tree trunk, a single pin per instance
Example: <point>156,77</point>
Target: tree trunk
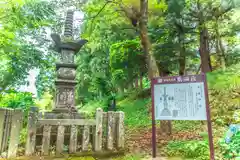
<point>182,58</point>
<point>146,44</point>
<point>151,61</point>
<point>204,45</point>
<point>163,70</point>
<point>136,83</point>
<point>204,50</point>
<point>219,47</point>
<point>130,86</point>
<point>165,126</point>
<point>223,58</point>
<point>182,64</point>
<point>141,82</point>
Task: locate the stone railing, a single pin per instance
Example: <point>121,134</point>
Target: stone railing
<point>74,135</point>
<point>10,127</point>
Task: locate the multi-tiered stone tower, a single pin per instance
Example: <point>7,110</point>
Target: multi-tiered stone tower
<point>66,71</point>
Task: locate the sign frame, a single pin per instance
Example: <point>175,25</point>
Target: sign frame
<point>178,80</point>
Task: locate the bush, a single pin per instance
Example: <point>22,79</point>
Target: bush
<point>224,92</point>
<point>136,112</point>
<point>198,150</point>
<point>17,100</point>
<point>230,145</point>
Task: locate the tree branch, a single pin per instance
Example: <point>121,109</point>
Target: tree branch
<point>98,14</point>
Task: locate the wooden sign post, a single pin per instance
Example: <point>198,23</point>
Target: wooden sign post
<point>180,98</point>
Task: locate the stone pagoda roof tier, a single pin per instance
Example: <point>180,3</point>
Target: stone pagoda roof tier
<point>74,45</point>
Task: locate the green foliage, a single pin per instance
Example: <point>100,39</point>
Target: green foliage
<point>226,79</point>
<point>126,61</point>
<point>45,103</point>
<point>16,100</point>
<point>47,75</point>
<point>189,149</point>
<point>20,21</point>
<point>231,150</point>
<point>136,112</point>
<point>224,94</point>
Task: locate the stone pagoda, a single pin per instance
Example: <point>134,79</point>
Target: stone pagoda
<point>67,47</point>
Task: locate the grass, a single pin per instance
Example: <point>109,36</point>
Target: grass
<point>136,112</point>
<point>186,125</point>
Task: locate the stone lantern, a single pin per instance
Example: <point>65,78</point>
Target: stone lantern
<point>67,47</point>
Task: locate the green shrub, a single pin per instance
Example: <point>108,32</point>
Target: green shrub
<point>17,100</point>
<point>224,87</point>
<point>231,149</point>
<point>198,150</point>
<point>136,112</point>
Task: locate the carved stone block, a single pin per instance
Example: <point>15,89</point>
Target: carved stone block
<point>64,98</point>
<point>67,56</point>
<point>66,73</point>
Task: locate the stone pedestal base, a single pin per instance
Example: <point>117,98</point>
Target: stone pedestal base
<point>62,115</point>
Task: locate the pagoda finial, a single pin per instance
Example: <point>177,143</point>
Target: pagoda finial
<point>68,30</point>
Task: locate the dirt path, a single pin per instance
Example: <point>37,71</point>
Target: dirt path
<point>141,141</point>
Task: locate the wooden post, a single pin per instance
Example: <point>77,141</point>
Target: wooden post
<point>73,139</point>
<point>2,119</point>
<point>85,139</point>
<point>98,130</point>
<point>46,139</point>
<point>60,140</point>
<point>31,131</point>
<point>120,130</point>
<point>17,119</point>
<point>110,131</point>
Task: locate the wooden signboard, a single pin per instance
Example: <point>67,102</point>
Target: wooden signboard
<point>180,98</point>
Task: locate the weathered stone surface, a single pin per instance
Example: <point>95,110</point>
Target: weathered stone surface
<point>65,98</point>
<point>46,139</point>
<point>2,119</point>
<point>66,73</point>
<point>14,138</point>
<point>60,140</point>
<point>68,32</point>
<point>61,115</point>
<point>99,130</point>
<point>86,138</point>
<point>31,132</point>
<point>73,139</point>
<point>120,130</point>
<point>110,136</point>
<point>67,56</point>
<point>66,69</point>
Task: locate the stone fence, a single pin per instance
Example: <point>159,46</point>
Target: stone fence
<point>10,127</point>
<point>54,137</point>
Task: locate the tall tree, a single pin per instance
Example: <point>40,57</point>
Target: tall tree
<point>19,54</point>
